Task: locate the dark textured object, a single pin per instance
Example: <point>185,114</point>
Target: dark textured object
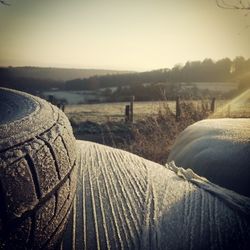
<point>38,166</point>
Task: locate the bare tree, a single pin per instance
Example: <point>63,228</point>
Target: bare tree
<point>234,4</point>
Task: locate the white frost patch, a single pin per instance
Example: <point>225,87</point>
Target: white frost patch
<point>126,202</point>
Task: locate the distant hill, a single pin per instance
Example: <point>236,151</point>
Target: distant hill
<point>37,79</point>
<point>56,74</point>
<point>206,71</point>
<point>150,85</point>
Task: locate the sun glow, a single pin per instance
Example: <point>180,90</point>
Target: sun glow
<point>237,107</point>
<point>130,35</point>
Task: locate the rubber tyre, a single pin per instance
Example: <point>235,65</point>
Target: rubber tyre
<point>38,171</point>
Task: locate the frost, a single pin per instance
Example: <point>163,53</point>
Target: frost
<point>218,149</point>
<point>28,117</point>
<point>234,200</point>
<point>125,201</point>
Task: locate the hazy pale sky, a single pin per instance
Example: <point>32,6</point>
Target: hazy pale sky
<point>119,34</point>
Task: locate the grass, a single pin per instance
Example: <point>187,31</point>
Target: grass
<point>151,137</point>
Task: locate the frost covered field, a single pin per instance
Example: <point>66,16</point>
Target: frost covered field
<point>114,111</point>
<point>103,112</point>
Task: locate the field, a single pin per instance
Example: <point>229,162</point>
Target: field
<point>151,135</point>
<point>112,111</point>
<point>104,112</point>
<point>223,87</point>
<point>155,126</point>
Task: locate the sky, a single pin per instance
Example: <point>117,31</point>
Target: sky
<point>119,34</point>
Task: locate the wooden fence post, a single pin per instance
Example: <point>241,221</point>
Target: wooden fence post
<point>213,105</point>
<point>132,98</point>
<point>178,109</point>
<point>127,115</point>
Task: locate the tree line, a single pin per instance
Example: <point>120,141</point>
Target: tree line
<point>224,70</point>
